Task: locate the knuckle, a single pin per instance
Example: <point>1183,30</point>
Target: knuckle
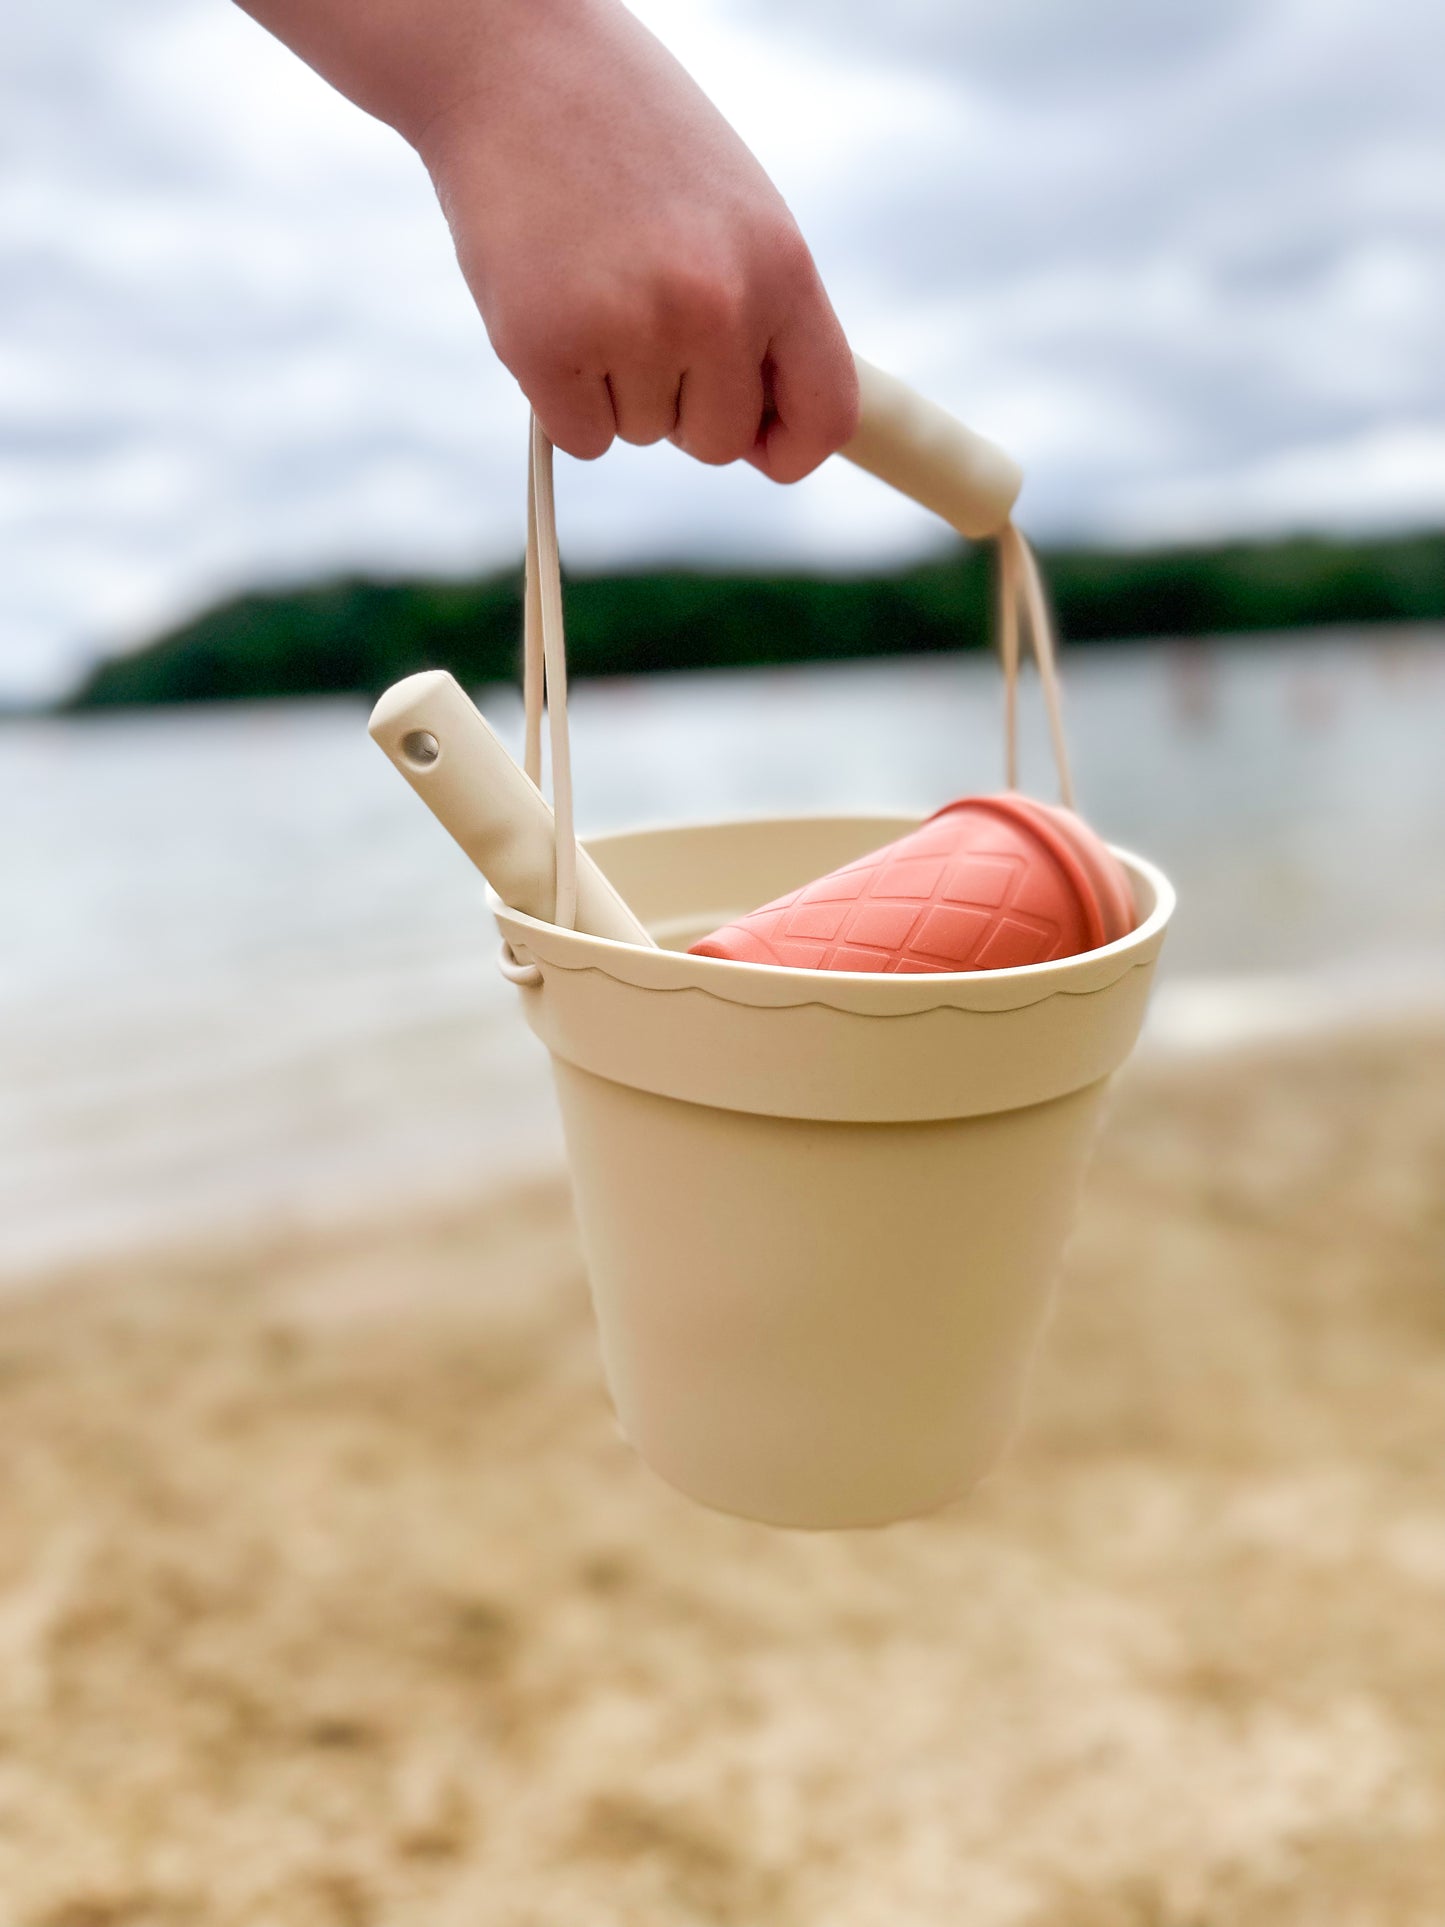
<point>720,433</point>
<point>644,405</point>
<point>560,338</point>
<point>696,303</point>
<point>602,330</point>
<point>536,355</point>
<point>787,250</point>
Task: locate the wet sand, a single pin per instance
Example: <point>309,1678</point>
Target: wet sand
<point>329,1595</point>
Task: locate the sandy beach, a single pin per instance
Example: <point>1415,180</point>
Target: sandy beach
<point>329,1595</point>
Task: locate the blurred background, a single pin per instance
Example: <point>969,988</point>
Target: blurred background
<point>256,460</point>
<point>253,441</point>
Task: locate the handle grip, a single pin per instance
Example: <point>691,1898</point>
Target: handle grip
<point>920,449</point>
<point>435,735</point>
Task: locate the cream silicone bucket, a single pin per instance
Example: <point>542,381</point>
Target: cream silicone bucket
<point>822,1212</point>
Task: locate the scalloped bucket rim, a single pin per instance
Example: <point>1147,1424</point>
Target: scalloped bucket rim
<point>871,993</point>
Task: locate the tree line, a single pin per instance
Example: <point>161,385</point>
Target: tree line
<point>358,635</point>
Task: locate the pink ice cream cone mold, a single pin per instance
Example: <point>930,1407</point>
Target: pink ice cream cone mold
<point>988,883</point>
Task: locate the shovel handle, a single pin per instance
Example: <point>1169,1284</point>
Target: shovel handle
<point>435,735</point>
<point>919,449</point>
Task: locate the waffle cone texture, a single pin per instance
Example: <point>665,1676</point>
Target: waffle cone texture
<point>987,883</point>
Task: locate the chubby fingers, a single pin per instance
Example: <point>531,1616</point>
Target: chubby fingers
<point>785,412</point>
<point>726,371</point>
<point>585,396</point>
<point>712,410</point>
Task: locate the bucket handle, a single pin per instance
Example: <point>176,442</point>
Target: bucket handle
<point>1021,593</point>
<point>544,685</point>
<point>885,439</point>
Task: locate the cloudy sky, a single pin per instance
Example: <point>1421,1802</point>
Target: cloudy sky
<point>1188,262</point>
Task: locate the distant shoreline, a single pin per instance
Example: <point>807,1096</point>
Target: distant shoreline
<point>354,635</point>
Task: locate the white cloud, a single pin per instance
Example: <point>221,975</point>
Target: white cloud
<point>1373,481</point>
<point>1186,262</point>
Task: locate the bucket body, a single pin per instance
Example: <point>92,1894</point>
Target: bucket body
<point>822,1212</point>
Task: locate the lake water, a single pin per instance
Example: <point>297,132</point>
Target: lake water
<point>245,975</point>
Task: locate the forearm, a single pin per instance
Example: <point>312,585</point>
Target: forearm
<point>411,62</point>
<point>636,269</point>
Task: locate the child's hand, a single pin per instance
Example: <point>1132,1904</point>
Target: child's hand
<point>636,269</point>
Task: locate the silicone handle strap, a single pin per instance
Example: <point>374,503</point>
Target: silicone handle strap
<point>1021,592</point>
<point>544,686</point>
<point>903,439</point>
<point>919,449</point>
<point>544,655</point>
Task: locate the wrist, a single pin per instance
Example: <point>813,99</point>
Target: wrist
<point>415,63</point>
<point>498,53</point>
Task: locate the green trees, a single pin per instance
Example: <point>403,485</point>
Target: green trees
<point>358,636</point>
